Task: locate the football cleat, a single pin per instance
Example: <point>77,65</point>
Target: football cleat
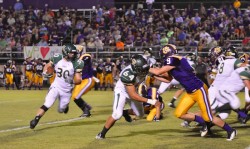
<point>185,124</point>
<point>231,135</point>
<point>127,117</point>
<point>204,130</point>
<point>86,112</point>
<point>99,136</point>
<point>156,119</point>
<point>33,123</point>
<point>171,105</point>
<point>66,110</point>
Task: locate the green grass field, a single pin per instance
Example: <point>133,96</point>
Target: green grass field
<point>17,108</point>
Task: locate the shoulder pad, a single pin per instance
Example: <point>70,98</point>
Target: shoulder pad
<point>128,77</point>
<point>56,58</point>
<point>237,63</point>
<point>78,65</point>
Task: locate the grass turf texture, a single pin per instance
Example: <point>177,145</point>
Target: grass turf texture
<point>19,107</point>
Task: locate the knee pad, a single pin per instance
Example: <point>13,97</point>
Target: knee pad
<point>44,108</point>
<point>117,115</point>
<point>235,104</point>
<point>224,115</point>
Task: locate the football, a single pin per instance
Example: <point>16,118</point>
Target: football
<point>50,70</point>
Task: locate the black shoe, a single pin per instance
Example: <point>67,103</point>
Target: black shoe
<point>127,117</point>
<point>231,135</point>
<point>66,110</point>
<point>86,112</point>
<point>204,130</point>
<point>33,123</point>
<point>171,105</point>
<point>99,136</point>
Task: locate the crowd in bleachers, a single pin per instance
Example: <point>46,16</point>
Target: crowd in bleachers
<point>128,26</point>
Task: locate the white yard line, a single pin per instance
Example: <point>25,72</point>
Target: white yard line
<point>49,123</point>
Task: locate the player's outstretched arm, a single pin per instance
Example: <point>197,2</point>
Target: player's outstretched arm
<point>161,71</point>
<point>133,95</point>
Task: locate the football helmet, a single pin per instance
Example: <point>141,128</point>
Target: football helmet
<point>139,65</point>
<point>215,52</point>
<point>9,62</point>
<point>168,50</point>
<point>191,56</point>
<point>148,51</point>
<point>231,52</point>
<point>67,50</point>
<point>39,60</point>
<point>244,58</point>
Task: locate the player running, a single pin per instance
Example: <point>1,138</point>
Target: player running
<point>68,72</point>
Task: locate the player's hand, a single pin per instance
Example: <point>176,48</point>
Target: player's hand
<point>158,104</point>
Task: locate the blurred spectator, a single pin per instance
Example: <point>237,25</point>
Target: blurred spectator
<point>120,45</point>
<point>164,39</point>
<point>91,45</point>
<point>3,44</point>
<point>83,44</point>
<point>42,42</point>
<point>11,21</point>
<point>150,5</point>
<point>18,6</point>
<point>99,44</point>
<point>201,70</point>
<point>212,44</point>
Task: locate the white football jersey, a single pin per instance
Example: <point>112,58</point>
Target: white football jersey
<point>224,71</point>
<point>64,75</point>
<point>234,83</point>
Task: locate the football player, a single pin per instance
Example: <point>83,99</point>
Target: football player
<point>239,79</point>
<point>87,83</point>
<point>38,67</point>
<point>149,109</point>
<point>226,65</point>
<point>196,91</point>
<point>108,73</point>
<point>191,58</point>
<point>68,72</point>
<point>28,69</point>
<point>100,75</point>
<point>8,71</point>
<point>125,92</point>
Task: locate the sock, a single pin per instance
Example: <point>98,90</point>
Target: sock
<point>199,119</point>
<point>104,131</point>
<point>227,127</point>
<point>225,107</point>
<point>80,103</point>
<point>241,113</point>
<point>173,100</point>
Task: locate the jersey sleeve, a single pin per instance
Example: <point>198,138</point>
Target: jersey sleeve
<point>128,77</point>
<point>56,58</point>
<point>245,74</point>
<point>237,63</point>
<point>78,65</point>
<point>172,61</point>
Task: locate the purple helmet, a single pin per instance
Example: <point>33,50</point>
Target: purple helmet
<point>167,51</point>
